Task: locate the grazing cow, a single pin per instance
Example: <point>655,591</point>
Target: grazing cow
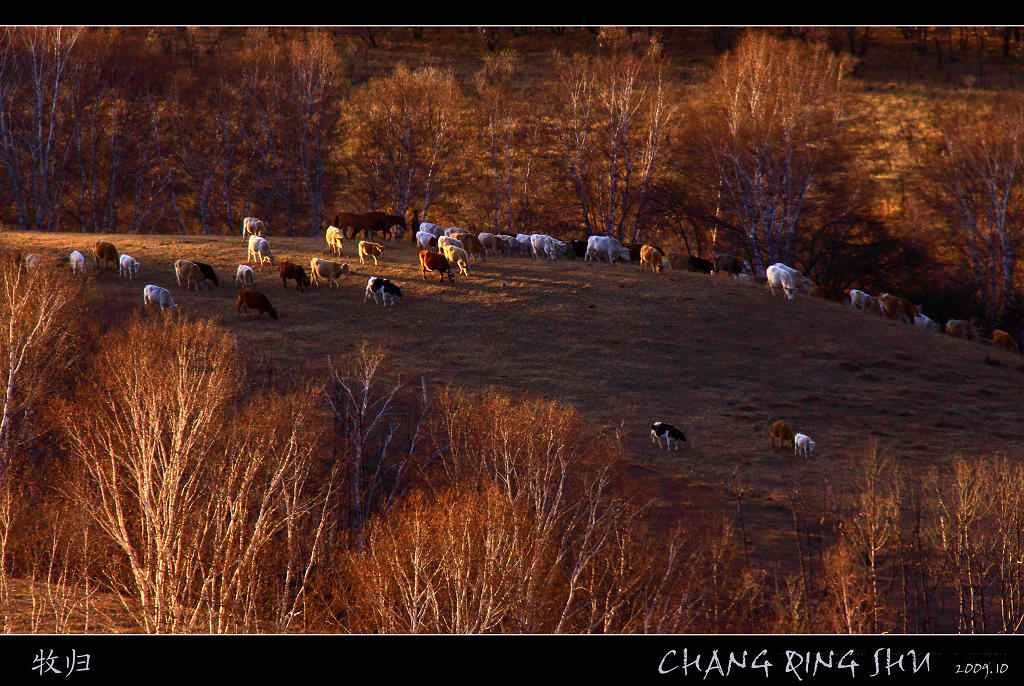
<point>106,252</point>
<point>1004,340</point>
<point>129,267</point>
<point>426,240</point>
<point>254,300</point>
<point>547,245</point>
<point>159,295</point>
<point>788,279</point>
<point>434,229</point>
<point>436,262</point>
<point>244,275</point>
<point>960,328</point>
<point>471,244</point>
<point>188,273</point>
<point>601,248</point>
<point>325,269</point>
<point>378,285</point>
<point>859,300</point>
<point>896,307</point>
<point>368,249</point>
<point>699,264</point>
<point>577,248</point>
<point>77,260</point>
<point>651,257</point>
<point>259,251</point>
<point>453,230</point>
<point>634,251</point>
<point>251,226</point>
<point>671,435</point>
<point>521,244</point>
<point>334,240</point>
<point>926,322</point>
<point>495,243</point>
<point>290,270</point>
<point>728,264</point>
<point>208,272</point>
<point>781,433</point>
<point>458,257</point>
<point>803,445</point>
<point>448,240</point>
<point>33,260</point>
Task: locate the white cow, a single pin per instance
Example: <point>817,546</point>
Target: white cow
<point>77,262</point>
<point>803,445</point>
<point>548,245</point>
<point>859,300</point>
<point>158,295</point>
<point>445,241</point>
<point>334,240</point>
<point>129,267</point>
<point>426,240</point>
<point>432,228</point>
<point>788,279</point>
<point>259,250</point>
<point>925,322</point>
<point>251,226</point>
<point>244,275</point>
<point>605,248</point>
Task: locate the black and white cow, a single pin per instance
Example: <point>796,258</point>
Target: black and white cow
<point>664,430</point>
<point>379,285</point>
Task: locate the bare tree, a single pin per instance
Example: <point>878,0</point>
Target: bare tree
<point>773,112</point>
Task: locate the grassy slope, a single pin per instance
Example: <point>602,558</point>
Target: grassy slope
<point>720,358</point>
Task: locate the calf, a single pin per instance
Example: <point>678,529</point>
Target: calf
<point>254,300</point>
<point>664,430</point>
<point>244,275</point>
<point>1004,340</point>
<point>652,257</point>
<point>251,226</point>
<point>369,249</point>
<point>325,269</point>
<point>129,267</point>
<point>77,262</point>
<point>436,262</point>
<point>290,270</point>
<point>388,291</point>
<point>208,272</point>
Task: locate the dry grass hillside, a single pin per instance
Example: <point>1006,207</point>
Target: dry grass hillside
<point>720,358</point>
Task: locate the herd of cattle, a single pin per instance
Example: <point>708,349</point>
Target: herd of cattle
<point>448,251</point>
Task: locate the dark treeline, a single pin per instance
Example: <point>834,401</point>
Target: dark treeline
<point>771,153</point>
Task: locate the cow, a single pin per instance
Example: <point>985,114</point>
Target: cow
<point>208,272</point>
<point>369,222</point>
<point>859,300</point>
<point>129,266</point>
<point>495,243</point>
<point>896,307</point>
<point>671,435</point>
<point>651,257</point>
<point>77,260</point>
<point>960,328</point>
<point>729,264</point>
<point>369,249</point>
<point>471,244</point>
<point>259,251</point>
<point>1004,340</point>
<point>425,240</point>
<point>577,248</point>
<point>254,300</point>
<point>334,240</point>
<point>290,270</point>
<point>700,265</point>
<point>188,274</point>
<point>378,285</point>
<point>925,322</point>
<point>781,434</point>
<point>434,229</point>
<point>803,445</point>
<point>244,275</point>
<point>436,262</point>
<point>251,226</point>
<point>325,269</point>
<point>601,248</point>
<point>634,251</point>
<point>106,252</point>
<point>788,279</point>
<point>458,257</point>
<point>448,240</point>
<point>547,245</point>
<point>159,295</point>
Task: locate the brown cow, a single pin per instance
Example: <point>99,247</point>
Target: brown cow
<point>728,264</point>
<point>255,300</point>
<point>436,262</point>
<point>781,432</point>
<point>290,270</point>
<point>1004,340</point>
<point>960,328</point>
<point>370,249</point>
<point>652,257</point>
<point>896,307</point>
<point>471,244</point>
<point>107,252</point>
<point>368,222</point>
